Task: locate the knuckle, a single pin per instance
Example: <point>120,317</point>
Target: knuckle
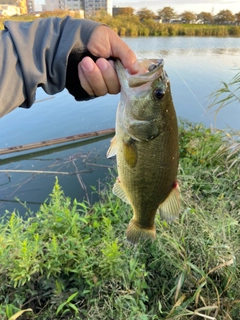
<point>101,91</point>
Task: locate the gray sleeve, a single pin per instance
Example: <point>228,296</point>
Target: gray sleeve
<point>35,54</point>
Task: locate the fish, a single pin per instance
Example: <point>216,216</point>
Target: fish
<point>146,148</point>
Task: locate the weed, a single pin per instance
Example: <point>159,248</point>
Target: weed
<point>228,93</point>
<point>72,261</point>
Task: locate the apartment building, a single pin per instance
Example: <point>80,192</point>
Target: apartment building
<point>9,10</point>
<point>92,6</point>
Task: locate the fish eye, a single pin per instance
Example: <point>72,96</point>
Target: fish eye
<point>158,93</point>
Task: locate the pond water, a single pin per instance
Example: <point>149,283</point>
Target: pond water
<point>196,67</point>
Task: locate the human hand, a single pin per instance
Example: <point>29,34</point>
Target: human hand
<point>99,78</point>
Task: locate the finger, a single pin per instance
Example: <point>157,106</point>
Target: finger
<point>83,80</point>
<point>109,75</point>
<point>127,58</point>
<point>122,51</point>
<point>104,42</point>
<point>91,77</point>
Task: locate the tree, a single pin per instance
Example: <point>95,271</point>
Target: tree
<point>224,16</point>
<point>187,16</point>
<point>145,14</point>
<point>167,13</point>
<point>205,17</point>
<point>237,17</point>
<point>126,11</point>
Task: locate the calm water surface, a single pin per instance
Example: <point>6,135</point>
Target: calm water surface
<point>196,67</point>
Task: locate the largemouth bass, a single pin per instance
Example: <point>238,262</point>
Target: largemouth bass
<point>146,147</point>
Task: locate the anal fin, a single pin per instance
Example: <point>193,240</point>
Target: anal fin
<point>169,209</point>
<point>119,192</point>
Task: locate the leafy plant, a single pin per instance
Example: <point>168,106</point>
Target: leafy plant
<point>70,260</point>
<point>67,305</point>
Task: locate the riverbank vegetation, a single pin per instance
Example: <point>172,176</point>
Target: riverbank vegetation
<point>226,94</point>
<point>72,261</point>
<point>126,25</point>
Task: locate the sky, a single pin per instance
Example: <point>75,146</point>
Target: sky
<point>179,6</point>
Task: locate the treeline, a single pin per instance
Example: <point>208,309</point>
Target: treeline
<point>167,14</point>
<point>133,26</point>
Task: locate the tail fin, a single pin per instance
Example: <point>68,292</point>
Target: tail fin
<point>135,232</point>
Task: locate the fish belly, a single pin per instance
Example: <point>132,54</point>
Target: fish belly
<point>149,179</point>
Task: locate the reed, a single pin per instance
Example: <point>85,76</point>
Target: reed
<point>132,26</point>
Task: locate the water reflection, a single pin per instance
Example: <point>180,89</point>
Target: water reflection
<point>51,150</point>
<point>75,164</point>
<point>194,52</point>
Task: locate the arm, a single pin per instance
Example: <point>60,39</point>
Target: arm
<point>36,54</point>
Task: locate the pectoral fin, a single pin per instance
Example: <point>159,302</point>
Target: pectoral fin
<point>119,192</point>
<point>169,209</point>
<point>130,152</point>
<point>113,148</point>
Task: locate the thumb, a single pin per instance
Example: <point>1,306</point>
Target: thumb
<point>122,51</point>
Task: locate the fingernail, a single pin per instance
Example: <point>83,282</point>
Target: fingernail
<point>87,64</point>
<point>102,64</point>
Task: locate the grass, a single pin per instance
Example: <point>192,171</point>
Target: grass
<point>72,261</point>
<point>226,94</point>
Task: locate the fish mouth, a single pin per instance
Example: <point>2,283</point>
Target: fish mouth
<point>149,71</point>
<point>155,65</point>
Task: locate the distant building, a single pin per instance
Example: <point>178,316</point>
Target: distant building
<point>9,10</point>
<point>52,5</point>
<point>91,7</point>
<point>12,4</point>
<point>86,8</point>
<point>22,4</point>
<point>74,4</point>
<point>30,6</point>
<point>199,21</point>
<point>158,20</point>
